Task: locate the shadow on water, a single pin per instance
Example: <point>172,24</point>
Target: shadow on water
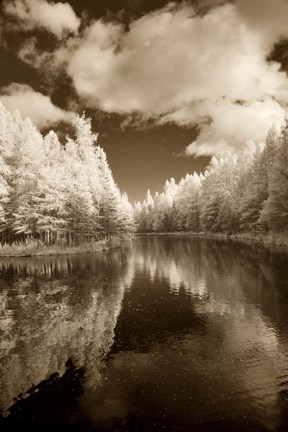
<point>174,333</point>
<point>49,405</point>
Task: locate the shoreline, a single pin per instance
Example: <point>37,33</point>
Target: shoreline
<point>278,242</point>
<point>275,242</point>
<point>33,249</point>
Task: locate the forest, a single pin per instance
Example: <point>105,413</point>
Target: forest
<point>238,193</point>
<point>53,192</point>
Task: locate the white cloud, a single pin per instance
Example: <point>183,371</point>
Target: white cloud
<point>34,105</point>
<point>57,18</point>
<point>170,58</point>
<point>173,65</point>
<point>233,125</point>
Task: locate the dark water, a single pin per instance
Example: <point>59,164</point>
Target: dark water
<point>172,334</point>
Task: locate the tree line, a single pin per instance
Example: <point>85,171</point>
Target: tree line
<point>54,192</point>
<point>66,192</point>
<point>247,192</point>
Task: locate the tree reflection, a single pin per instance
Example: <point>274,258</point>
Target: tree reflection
<point>202,320</point>
<point>53,310</point>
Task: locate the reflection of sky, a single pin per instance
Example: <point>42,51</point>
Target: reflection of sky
<point>188,380</point>
<point>222,294</point>
<point>246,358</point>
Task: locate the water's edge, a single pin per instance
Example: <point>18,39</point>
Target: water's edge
<point>101,246</point>
<point>276,242</point>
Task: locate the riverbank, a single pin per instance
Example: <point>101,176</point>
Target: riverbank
<point>275,241</point>
<point>34,248</point>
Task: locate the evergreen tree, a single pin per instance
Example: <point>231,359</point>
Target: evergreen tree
<point>110,200</point>
<point>275,211</point>
<point>49,191</point>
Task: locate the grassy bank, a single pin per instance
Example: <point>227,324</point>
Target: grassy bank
<point>37,248</point>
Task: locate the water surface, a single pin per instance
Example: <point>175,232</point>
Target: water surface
<point>172,333</point>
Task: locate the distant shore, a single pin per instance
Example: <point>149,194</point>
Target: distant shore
<point>38,249</point>
<point>278,242</point>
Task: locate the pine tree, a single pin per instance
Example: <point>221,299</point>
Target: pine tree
<point>25,167</point>
<point>51,196</point>
<point>126,215</point>
<point>110,201</point>
<point>210,200</point>
<point>51,191</point>
<point>275,211</point>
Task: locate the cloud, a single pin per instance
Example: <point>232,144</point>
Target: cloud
<point>171,58</point>
<point>233,125</point>
<point>176,66</point>
<point>34,105</point>
<point>51,63</point>
<point>57,18</point>
<point>30,54</point>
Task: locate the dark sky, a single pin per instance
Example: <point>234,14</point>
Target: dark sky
<point>145,159</point>
<point>172,89</point>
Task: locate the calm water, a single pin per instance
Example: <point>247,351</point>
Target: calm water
<point>172,334</point>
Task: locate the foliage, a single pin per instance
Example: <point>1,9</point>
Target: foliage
<point>38,248</point>
<point>51,192</point>
<point>240,193</point>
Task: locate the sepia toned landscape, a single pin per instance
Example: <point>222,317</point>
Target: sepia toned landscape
<point>143,216</point>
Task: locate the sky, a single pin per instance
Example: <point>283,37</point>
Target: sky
<point>167,84</point>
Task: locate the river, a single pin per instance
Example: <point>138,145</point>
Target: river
<point>170,333</point>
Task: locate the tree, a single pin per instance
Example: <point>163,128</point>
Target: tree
<point>51,191</point>
<point>126,215</point>
<point>210,200</point>
<point>275,210</point>
<point>110,200</point>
